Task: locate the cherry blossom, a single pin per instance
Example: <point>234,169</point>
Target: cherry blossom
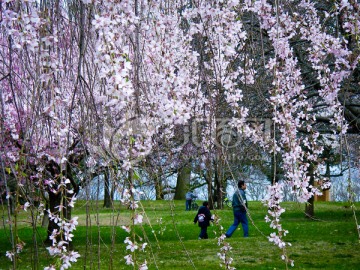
<point>126,228</point>
<point>26,206</point>
<point>129,259</point>
<point>51,267</point>
<point>145,74</point>
<point>143,266</point>
<point>10,255</point>
<point>138,219</point>
<point>131,246</point>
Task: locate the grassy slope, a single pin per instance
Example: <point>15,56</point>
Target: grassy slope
<point>330,242</point>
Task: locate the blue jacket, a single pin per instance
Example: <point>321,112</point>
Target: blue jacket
<point>189,196</point>
<point>239,201</point>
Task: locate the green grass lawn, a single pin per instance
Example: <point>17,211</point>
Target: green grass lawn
<point>329,242</point>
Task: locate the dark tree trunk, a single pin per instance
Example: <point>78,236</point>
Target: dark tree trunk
<point>60,199</point>
<point>183,182</point>
<point>210,194</point>
<point>217,194</point>
<point>12,203</point>
<point>276,171</point>
<point>107,192</point>
<point>158,188</point>
<point>208,178</point>
<point>45,219</point>
<point>309,207</point>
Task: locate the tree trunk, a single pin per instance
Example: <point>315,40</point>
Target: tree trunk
<point>12,203</point>
<point>183,182</point>
<point>208,178</point>
<point>45,219</point>
<point>107,195</point>
<point>309,207</point>
<point>158,188</point>
<point>275,171</point>
<point>58,204</point>
<point>216,197</point>
<point>210,193</point>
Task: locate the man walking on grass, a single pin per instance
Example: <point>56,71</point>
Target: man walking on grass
<point>239,204</point>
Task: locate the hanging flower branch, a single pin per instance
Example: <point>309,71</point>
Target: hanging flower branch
<point>106,77</point>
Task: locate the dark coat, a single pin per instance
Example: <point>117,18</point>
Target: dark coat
<point>203,210</point>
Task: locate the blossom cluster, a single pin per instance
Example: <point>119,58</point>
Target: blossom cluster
<point>224,254</point>
<point>135,242</point>
<point>60,240</point>
<point>19,248</point>
<point>292,110</point>
<point>32,57</point>
<point>351,17</point>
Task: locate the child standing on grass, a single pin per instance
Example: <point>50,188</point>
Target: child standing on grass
<point>203,217</point>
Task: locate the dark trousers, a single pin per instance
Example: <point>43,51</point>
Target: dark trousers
<point>188,205</point>
<point>203,233</point>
